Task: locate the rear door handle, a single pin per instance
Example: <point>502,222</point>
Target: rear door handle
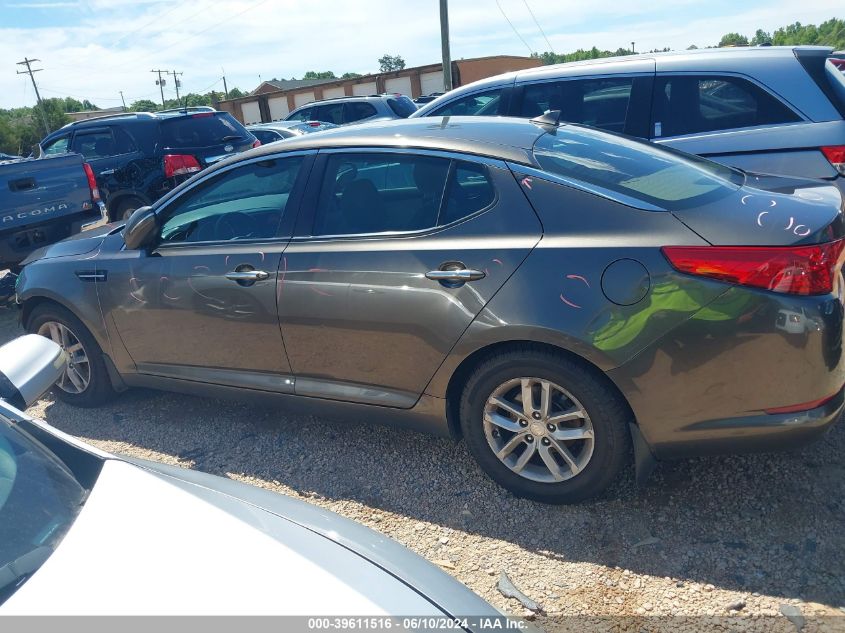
<point>107,172</point>
<point>247,275</point>
<point>456,276</point>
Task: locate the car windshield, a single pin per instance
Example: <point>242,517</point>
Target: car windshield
<point>201,130</point>
<point>39,499</point>
<point>657,175</point>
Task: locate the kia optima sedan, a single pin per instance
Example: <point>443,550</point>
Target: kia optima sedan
<point>84,532</point>
<point>558,296</point>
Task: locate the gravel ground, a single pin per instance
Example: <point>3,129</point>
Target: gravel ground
<point>740,536</point>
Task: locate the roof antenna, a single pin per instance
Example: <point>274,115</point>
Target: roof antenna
<point>549,117</point>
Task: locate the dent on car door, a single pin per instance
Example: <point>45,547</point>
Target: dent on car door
<point>396,255</point>
<point>201,303</point>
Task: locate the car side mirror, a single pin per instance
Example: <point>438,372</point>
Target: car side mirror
<point>140,228</point>
<point>29,366</point>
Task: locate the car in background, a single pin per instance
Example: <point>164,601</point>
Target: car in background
<point>770,109</point>
<point>84,532</point>
<point>346,110</point>
<point>9,157</point>
<point>427,98</point>
<point>138,157</point>
<point>280,130</point>
<point>554,294</point>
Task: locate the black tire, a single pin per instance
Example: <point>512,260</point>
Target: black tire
<point>99,388</point>
<point>125,209</point>
<point>609,416</point>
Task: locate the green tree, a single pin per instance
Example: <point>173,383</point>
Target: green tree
<point>9,143</point>
<point>733,39</point>
<point>236,93</point>
<point>388,63</point>
<point>351,75</point>
<point>761,37</point>
<point>143,105</point>
<point>326,74</point>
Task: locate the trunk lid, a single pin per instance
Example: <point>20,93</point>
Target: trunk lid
<point>770,211</point>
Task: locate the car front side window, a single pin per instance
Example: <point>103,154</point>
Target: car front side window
<point>59,146</point>
<point>244,203</point>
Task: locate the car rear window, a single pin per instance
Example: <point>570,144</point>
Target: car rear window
<point>402,106</point>
<point>656,175</point>
<point>201,130</point>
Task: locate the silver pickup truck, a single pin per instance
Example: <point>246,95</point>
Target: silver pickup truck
<point>43,201</point>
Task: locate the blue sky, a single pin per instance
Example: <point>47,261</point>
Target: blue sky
<point>95,48</point>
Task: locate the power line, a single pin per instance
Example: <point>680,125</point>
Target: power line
<point>29,71</point>
<point>176,5</point>
<point>551,48</point>
<point>198,33</point>
<point>530,50</point>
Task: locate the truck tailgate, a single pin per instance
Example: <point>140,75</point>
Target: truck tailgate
<point>38,190</point>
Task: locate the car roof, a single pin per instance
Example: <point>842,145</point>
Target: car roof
<point>503,138</point>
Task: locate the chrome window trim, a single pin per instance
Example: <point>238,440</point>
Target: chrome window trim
<point>547,80</point>
<point>628,201</point>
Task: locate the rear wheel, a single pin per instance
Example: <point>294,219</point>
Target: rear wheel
<point>545,427</point>
<point>85,381</point>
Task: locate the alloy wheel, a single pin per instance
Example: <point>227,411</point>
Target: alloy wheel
<point>538,430</point>
<point>77,374</point>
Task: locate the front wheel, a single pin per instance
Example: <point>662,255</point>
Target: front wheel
<point>85,381</point>
<point>545,427</point>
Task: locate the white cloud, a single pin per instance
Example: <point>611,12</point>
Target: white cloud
<point>111,45</point>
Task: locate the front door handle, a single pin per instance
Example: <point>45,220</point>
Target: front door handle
<point>247,275</point>
<point>107,172</point>
<point>456,276</point>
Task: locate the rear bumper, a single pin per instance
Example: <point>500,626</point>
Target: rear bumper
<point>705,385</point>
<point>16,245</point>
<point>755,433</point>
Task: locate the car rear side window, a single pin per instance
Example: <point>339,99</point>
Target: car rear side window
<point>378,193</point>
<point>244,203</point>
<point>470,190</point>
<point>330,113</point>
<point>638,170</point>
<point>479,104</point>
<point>301,115</point>
<point>123,143</point>
<point>691,104</point>
<point>598,102</point>
<point>357,110</point>
<point>201,130</point>
<point>402,106</point>
<point>94,144</point>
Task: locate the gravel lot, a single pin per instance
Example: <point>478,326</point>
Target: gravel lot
<point>762,534</point>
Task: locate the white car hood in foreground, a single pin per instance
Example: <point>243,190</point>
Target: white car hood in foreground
<point>142,545</point>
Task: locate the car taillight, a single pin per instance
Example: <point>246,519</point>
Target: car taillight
<point>256,143</point>
<point>314,123</point>
<point>92,182</point>
<point>835,154</point>
<point>798,270</point>
<point>180,164</point>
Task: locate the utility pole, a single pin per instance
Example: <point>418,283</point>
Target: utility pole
<point>225,87</point>
<point>160,83</point>
<point>632,48</point>
<point>29,71</point>
<point>176,82</point>
<point>123,100</point>
<point>444,45</point>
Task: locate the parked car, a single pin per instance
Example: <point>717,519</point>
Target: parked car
<point>552,294</point>
<point>345,110</point>
<point>138,157</point>
<point>43,201</point>
<point>280,130</point>
<point>9,157</point>
<point>84,532</point>
<point>767,109</point>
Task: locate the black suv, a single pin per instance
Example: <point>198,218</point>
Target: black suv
<point>138,157</point>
